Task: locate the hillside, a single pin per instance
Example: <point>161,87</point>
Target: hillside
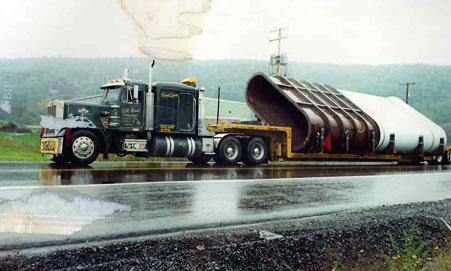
<point>32,81</point>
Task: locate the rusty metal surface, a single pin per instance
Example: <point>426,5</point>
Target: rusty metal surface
<point>309,107</point>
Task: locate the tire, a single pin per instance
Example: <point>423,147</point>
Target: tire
<point>446,158</point>
<point>256,152</point>
<point>84,147</point>
<point>229,151</point>
<point>437,161</point>
<point>200,160</point>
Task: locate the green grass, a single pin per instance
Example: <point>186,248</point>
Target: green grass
<point>20,147</point>
<point>441,262</point>
<point>22,141</point>
<point>12,154</point>
<point>23,147</point>
<point>410,254</point>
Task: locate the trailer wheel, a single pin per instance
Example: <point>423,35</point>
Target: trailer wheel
<point>256,152</point>
<point>84,147</point>
<point>229,151</point>
<point>437,161</point>
<point>200,160</point>
<point>446,157</point>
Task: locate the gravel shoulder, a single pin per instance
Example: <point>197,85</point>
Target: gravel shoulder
<point>306,244</point>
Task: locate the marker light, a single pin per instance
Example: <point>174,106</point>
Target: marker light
<point>189,81</point>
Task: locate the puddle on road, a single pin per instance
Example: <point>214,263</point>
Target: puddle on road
<point>46,212</point>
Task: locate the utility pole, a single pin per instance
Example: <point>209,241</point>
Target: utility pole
<point>407,90</point>
<point>278,39</point>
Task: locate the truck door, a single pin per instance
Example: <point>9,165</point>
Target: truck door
<point>132,100</point>
<point>175,111</point>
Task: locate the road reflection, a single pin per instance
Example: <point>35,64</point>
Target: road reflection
<point>51,174</point>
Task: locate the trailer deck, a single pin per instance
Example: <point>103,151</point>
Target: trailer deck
<point>280,142</point>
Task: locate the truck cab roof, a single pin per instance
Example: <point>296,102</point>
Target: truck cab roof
<point>172,85</point>
<point>121,82</point>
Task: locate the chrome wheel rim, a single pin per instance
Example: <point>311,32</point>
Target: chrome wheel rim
<point>439,159</point>
<point>231,151</point>
<point>83,147</point>
<point>257,151</point>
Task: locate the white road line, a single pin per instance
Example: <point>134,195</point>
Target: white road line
<point>227,181</point>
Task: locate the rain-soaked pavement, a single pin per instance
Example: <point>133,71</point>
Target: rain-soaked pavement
<point>41,203</point>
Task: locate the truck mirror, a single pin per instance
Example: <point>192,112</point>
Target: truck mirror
<point>135,91</point>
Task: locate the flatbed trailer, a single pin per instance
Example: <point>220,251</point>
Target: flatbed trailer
<point>279,143</point>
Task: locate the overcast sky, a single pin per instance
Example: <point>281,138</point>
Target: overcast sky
<point>334,31</point>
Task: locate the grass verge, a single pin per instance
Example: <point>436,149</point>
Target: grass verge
<point>408,254</point>
<point>20,147</point>
<point>12,154</point>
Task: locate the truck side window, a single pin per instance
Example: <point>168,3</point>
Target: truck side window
<point>127,96</point>
<point>124,96</point>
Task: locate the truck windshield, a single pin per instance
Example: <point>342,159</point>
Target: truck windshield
<point>111,95</point>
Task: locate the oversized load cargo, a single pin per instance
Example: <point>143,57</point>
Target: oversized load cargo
<point>353,122</point>
<point>437,133</point>
<point>394,116</point>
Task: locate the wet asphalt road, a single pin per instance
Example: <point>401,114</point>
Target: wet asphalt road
<point>40,203</point>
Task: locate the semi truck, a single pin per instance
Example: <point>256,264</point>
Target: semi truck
<point>297,121</point>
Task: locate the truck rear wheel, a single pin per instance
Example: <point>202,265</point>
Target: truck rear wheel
<point>229,151</point>
<point>256,152</point>
<point>84,147</point>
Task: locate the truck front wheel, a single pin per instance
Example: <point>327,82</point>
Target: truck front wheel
<point>229,151</point>
<point>84,147</point>
<point>256,152</point>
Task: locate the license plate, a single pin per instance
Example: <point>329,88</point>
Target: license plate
<point>49,145</point>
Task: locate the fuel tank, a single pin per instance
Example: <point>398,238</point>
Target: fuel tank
<point>354,122</point>
<point>175,146</point>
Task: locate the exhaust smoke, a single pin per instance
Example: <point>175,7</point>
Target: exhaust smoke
<point>165,27</point>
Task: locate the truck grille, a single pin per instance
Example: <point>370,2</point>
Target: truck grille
<point>51,110</point>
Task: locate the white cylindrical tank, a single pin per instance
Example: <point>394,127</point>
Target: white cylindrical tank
<point>394,118</point>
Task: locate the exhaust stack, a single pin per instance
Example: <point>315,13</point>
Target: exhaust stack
<point>152,63</point>
<point>149,100</point>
